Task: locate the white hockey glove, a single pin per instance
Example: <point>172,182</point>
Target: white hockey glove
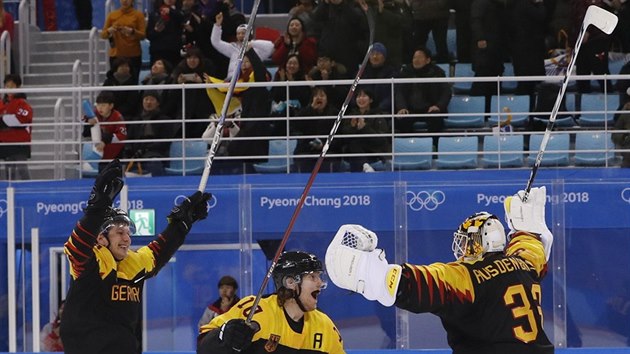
<point>529,216</point>
<point>354,263</point>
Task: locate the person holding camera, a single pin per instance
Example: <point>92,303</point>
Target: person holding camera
<point>103,307</point>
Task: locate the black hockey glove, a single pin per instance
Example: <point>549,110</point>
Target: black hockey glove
<point>237,334</point>
<point>106,187</point>
<point>194,208</point>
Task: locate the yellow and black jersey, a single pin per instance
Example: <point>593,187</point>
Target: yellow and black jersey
<point>492,305</point>
<point>276,335</point>
<point>103,306</point>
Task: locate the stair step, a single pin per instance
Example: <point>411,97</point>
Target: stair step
<point>59,56</point>
<point>60,79</point>
<point>63,35</point>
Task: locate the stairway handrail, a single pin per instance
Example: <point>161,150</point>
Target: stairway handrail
<point>5,53</point>
<point>77,81</point>
<point>59,115</point>
<point>24,13</point>
<point>93,62</point>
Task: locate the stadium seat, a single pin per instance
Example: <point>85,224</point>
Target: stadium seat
<point>475,106</point>
<point>146,57</point>
<point>493,147</point>
<point>508,72</point>
<point>89,168</point>
<point>423,147</point>
<point>279,149</point>
<point>557,142</point>
<point>517,104</point>
<point>594,109</point>
<point>589,141</point>
<point>194,152</point>
<point>463,70</point>
<point>466,147</point>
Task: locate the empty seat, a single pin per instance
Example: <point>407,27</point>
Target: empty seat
<point>457,152</point>
<point>279,150</point>
<point>585,143</point>
<point>146,56</point>
<point>515,105</point>
<point>189,157</point>
<point>594,109</point>
<point>508,72</point>
<point>556,152</point>
<point>463,70</point>
<point>423,149</point>
<point>473,106</point>
<point>502,151</point>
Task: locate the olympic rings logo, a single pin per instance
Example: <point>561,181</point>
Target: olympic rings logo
<point>211,203</point>
<point>425,200</point>
<point>625,195</point>
<point>3,207</point>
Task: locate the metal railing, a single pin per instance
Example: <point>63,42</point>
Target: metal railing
<point>5,54</point>
<point>24,11</point>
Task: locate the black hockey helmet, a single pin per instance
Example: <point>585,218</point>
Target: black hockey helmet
<point>294,264</point>
<point>114,217</point>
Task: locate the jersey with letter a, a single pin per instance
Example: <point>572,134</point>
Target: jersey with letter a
<point>319,334</point>
<point>487,306</point>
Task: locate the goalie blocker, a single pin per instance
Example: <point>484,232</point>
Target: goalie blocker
<point>488,299</point>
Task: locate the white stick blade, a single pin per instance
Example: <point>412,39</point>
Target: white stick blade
<point>600,18</point>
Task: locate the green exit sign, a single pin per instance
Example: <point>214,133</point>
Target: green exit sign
<point>144,220</point>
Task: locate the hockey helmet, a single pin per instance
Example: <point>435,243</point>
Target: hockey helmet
<point>479,234</point>
<point>116,217</point>
<point>294,264</point>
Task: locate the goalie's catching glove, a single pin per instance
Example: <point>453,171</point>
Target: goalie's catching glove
<point>529,216</point>
<point>354,263</point>
<point>193,208</point>
<point>237,334</point>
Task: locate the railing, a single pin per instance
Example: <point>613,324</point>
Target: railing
<point>93,61</point>
<point>5,54</point>
<point>24,11</point>
<point>60,113</point>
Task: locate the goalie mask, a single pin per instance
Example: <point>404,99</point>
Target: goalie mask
<point>479,234</point>
<point>116,217</point>
<point>295,264</point>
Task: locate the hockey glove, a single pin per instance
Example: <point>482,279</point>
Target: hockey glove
<point>106,187</point>
<point>529,216</point>
<point>237,334</point>
<point>354,263</point>
<point>193,208</point>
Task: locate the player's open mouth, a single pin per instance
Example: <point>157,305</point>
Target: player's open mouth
<point>315,294</point>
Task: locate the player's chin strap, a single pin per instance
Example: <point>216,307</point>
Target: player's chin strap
<point>296,296</point>
<point>354,263</point>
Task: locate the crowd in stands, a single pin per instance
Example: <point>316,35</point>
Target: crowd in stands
<point>198,41</point>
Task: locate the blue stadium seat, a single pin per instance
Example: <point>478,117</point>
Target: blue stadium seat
<point>146,57</point>
<point>475,106</point>
<point>89,168</point>
<point>556,152</point>
<point>493,147</point>
<point>279,149</point>
<point>423,147</point>
<point>195,152</point>
<point>517,104</point>
<point>593,141</point>
<point>463,70</point>
<point>466,147</point>
<point>597,104</point>
<point>508,72</point>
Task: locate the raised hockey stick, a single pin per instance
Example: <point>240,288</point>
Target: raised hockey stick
<point>318,164</point>
<point>226,102</point>
<point>606,22</point>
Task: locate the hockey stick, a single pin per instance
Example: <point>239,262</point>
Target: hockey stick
<point>318,164</point>
<point>606,22</point>
<point>226,102</point>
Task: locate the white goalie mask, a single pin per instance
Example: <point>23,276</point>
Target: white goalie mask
<point>479,234</point>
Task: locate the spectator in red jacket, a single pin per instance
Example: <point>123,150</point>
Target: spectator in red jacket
<point>295,41</point>
<point>16,115</point>
<point>113,129</point>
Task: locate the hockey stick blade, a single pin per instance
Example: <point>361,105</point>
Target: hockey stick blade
<point>600,18</point>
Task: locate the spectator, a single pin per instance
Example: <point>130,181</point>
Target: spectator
<point>192,69</point>
<point>16,116</point>
<point>125,28</point>
<point>431,16</point>
<point>528,42</point>
<point>622,32</point>
<point>192,23</point>
<point>392,23</point>
<point>421,98</point>
<point>295,42</point>
<point>362,123</point>
<point>231,50</point>
<point>83,10</point>
<point>379,67</point>
<point>103,310</point>
<point>164,31</point>
<point>329,69</point>
<point>160,74</point>
<point>344,31</point>
<point>50,338</point>
<point>111,126</point>
<point>324,113</point>
<point>288,103</point>
<point>149,130</point>
<point>227,298</point>
<point>303,10</point>
<point>622,139</point>
<point>462,30</point>
<point>126,102</point>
